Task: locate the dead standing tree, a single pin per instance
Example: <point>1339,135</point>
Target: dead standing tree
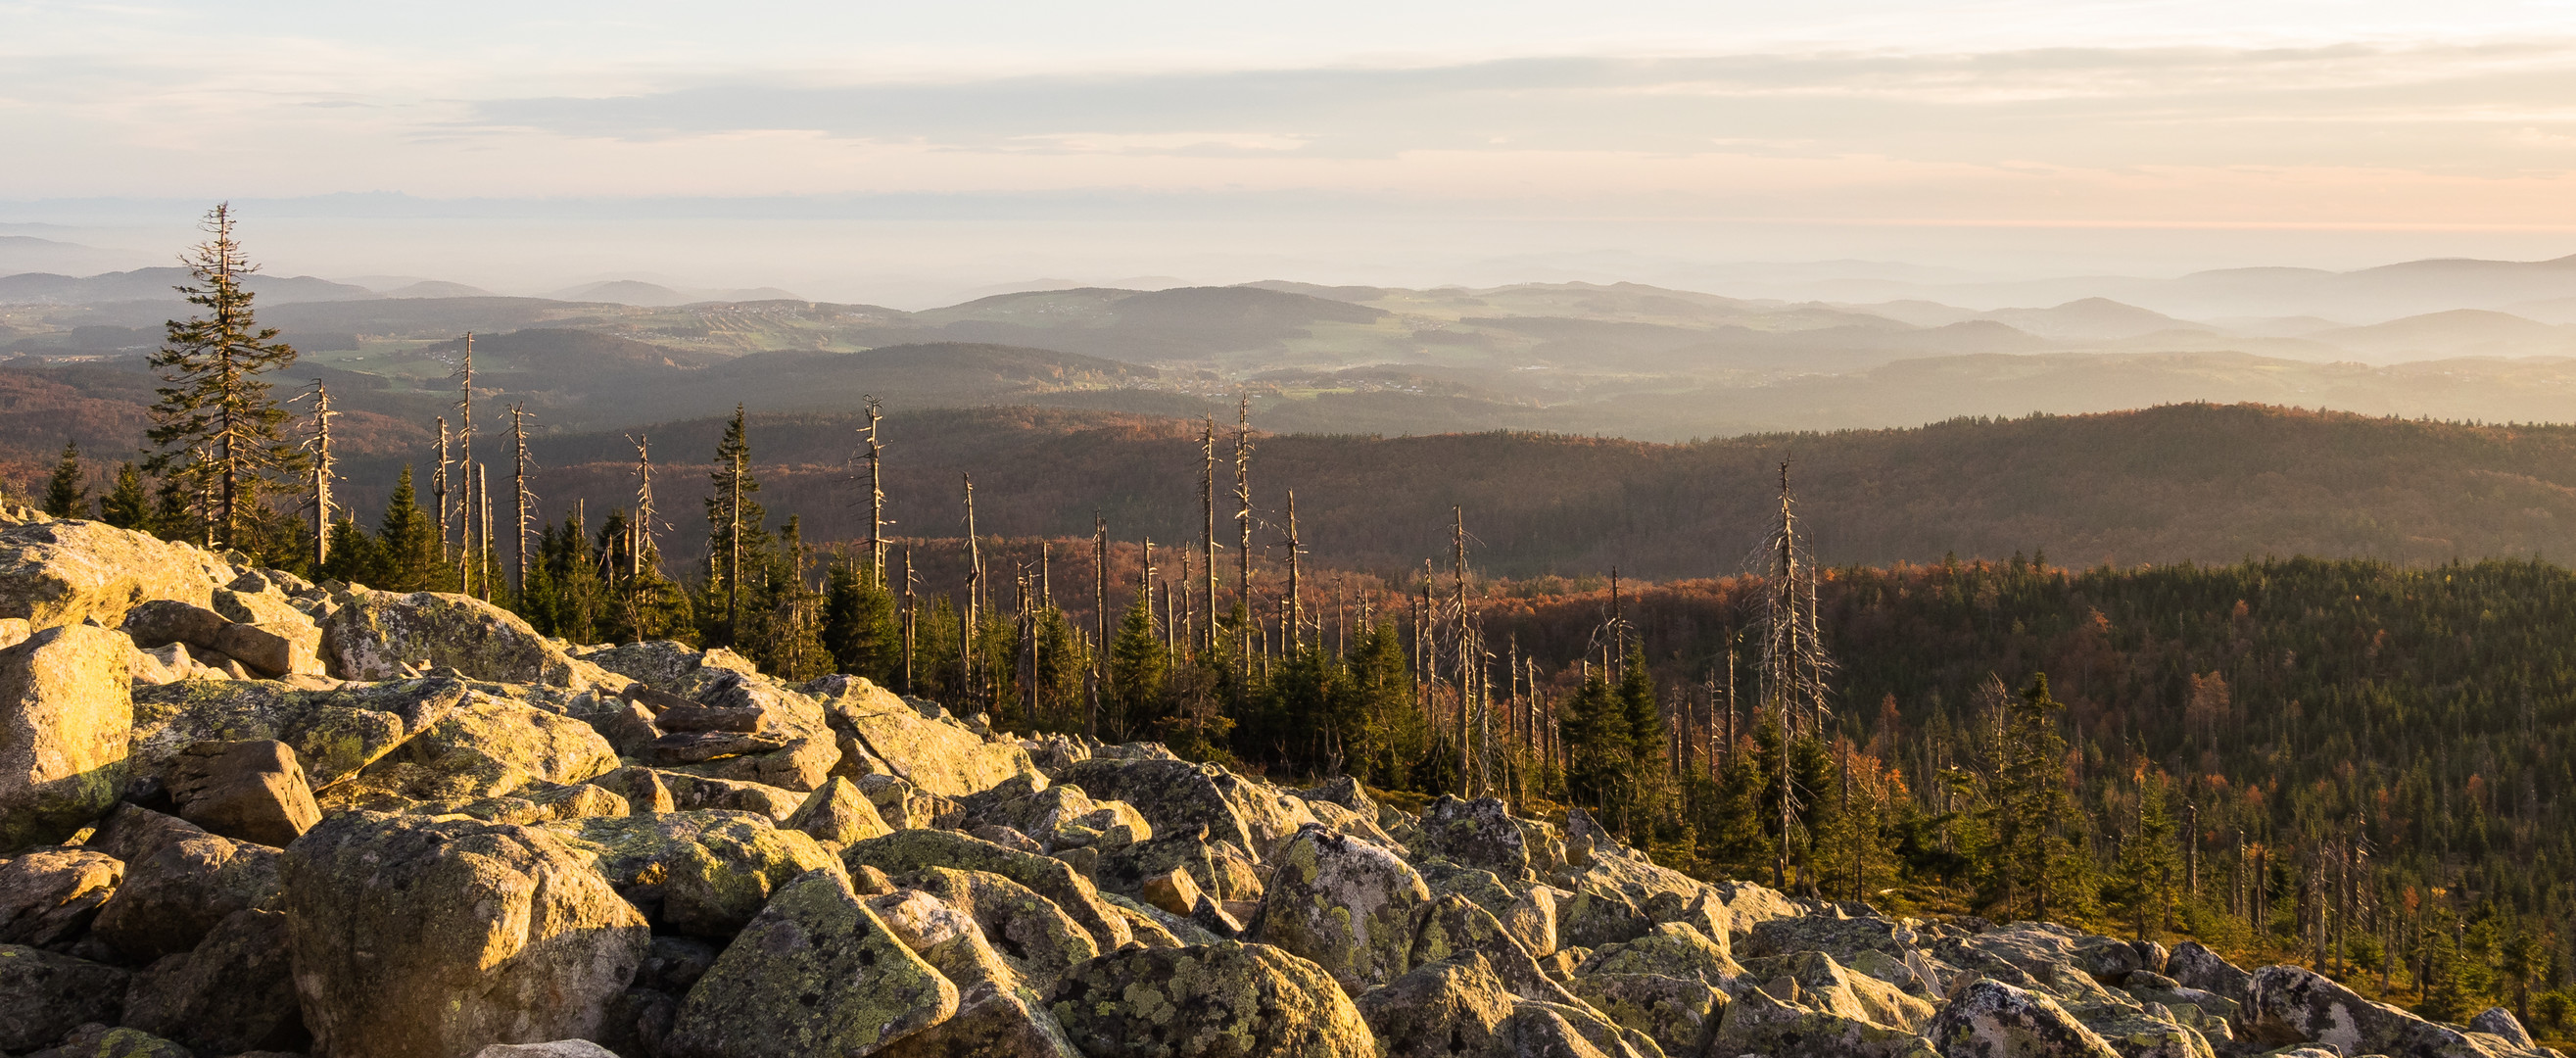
<point>465,502</point>
<point>523,502</point>
<point>322,466</point>
<point>874,453</point>
<point>1795,666</point>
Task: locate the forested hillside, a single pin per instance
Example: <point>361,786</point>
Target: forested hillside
<point>2187,482</point>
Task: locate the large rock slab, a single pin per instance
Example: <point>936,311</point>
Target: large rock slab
<point>334,733</point>
<point>885,735</point>
<point>173,896</point>
<point>234,992</point>
<point>66,719</point>
<point>991,1022</point>
<point>1036,937</point>
<point>431,938</point>
<point>1451,1008</point>
<point>44,995</point>
<point>49,896</point>
<point>61,572</point>
<point>1479,833</point>
<point>1224,1000</point>
<point>1345,904</point>
<point>905,851</point>
<point>815,973</point>
<point>1177,797</point>
<point>1990,1019</point>
<point>255,791</point>
<point>378,635</point>
<point>2292,1004</point>
<point>702,874</point>
<point>1760,1023</point>
<point>490,747</point>
<point>1679,1014</point>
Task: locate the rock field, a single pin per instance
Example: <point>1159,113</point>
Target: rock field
<point>241,814</point>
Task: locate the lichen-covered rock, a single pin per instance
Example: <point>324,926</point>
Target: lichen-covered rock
<point>992,1021</point>
<point>2195,966</point>
<point>2293,1004</point>
<point>1271,815</point>
<point>1344,904</point>
<point>1450,1008</point>
<point>906,851</point>
<point>1749,904</point>
<point>2149,987</point>
<point>334,733</point>
<point>1062,817</point>
<point>44,995</point>
<point>946,938</point>
<point>1177,797</point>
<point>837,814</point>
<point>545,802</point>
<point>1451,926</point>
<point>234,992</point>
<point>430,938</point>
<point>101,1041</point>
<point>1990,1019</point>
<point>254,791</point>
<point>378,634</point>
<point>1224,1000</point>
<point>1036,937</point>
<point>1757,1022</point>
<point>1842,938</point>
<point>552,1049</point>
<point>2030,955</point>
<point>2500,1023</point>
<point>1674,949</point>
<point>891,737</point>
<point>1221,869</point>
<point>2148,1031</point>
<point>490,747</point>
<point>66,719</point>
<point>1679,1014</point>
<point>1478,833</point>
<point>171,898</point>
<point>703,873</point>
<point>1596,916</point>
<point>1829,986</point>
<point>272,649</point>
<point>1531,919</point>
<point>60,572</point>
<point>814,973</point>
<point>49,895</point>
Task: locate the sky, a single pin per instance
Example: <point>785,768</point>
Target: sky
<point>914,151</point>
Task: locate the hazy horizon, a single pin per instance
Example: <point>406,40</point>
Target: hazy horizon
<point>906,156</point>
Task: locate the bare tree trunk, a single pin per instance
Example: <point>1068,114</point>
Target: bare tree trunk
<point>522,507</point>
<point>1296,601</point>
<point>321,475</point>
<point>1207,508</point>
<point>876,496</point>
<point>438,485</point>
<point>466,503</point>
<point>1100,621</point>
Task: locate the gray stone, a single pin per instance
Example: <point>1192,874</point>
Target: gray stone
<point>49,895</point>
<point>253,791</point>
<point>44,995</point>
<point>234,992</point>
<point>1989,1019</point>
<point>66,720</point>
<point>1344,904</point>
<point>816,972</point>
<point>173,897</point>
<point>428,938</point>
<point>1224,1000</point>
<point>1478,833</point>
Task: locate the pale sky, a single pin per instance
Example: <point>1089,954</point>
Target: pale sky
<point>825,144</point>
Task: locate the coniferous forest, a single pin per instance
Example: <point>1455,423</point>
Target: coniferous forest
<point>2359,765</point>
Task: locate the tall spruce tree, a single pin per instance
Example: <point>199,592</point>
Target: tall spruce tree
<point>860,627</point>
<point>67,492</point>
<point>736,541</point>
<point>126,506</point>
<point>215,418</point>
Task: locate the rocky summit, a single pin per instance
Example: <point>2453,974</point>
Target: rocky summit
<point>245,814</point>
